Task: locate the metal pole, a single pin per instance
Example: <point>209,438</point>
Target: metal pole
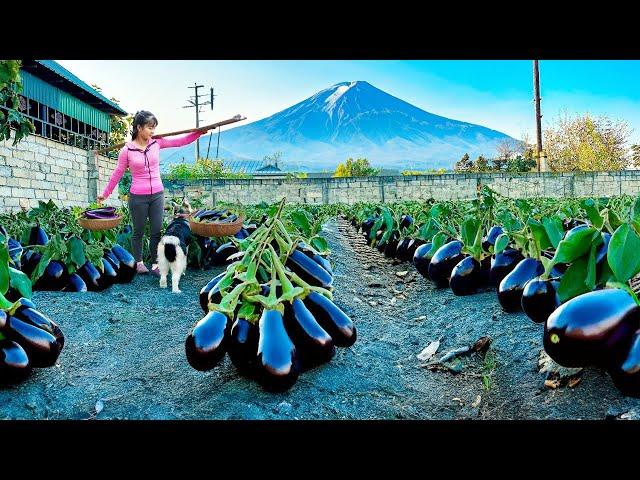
<point>536,94</point>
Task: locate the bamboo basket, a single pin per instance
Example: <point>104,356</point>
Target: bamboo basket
<point>99,224</point>
<point>216,229</point>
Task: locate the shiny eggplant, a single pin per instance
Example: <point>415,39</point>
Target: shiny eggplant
<point>421,259</point>
<point>223,252</point>
<point>204,291</point>
<point>392,244</point>
<point>465,277</point>
<point>540,298</point>
<point>75,283</point>
<point>54,278</point>
<point>277,364</point>
<point>414,243</point>
<point>108,276</point>
<point>402,252</point>
<point>38,319</point>
<point>308,270</point>
<point>503,263</point>
<point>319,259</point>
<point>366,226</point>
<point>41,346</point>
<point>127,264</point>
<point>443,261</point>
<point>91,276</point>
<point>15,252</point>
<point>626,376</point>
<point>406,221</point>
<point>313,344</point>
<point>14,362</point>
<point>492,236</point>
<point>332,319</point>
<point>242,234</point>
<point>511,287</point>
<point>243,346</point>
<point>595,328</point>
<point>30,261</point>
<point>207,341</point>
<point>37,236</point>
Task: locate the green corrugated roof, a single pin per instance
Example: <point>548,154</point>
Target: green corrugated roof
<point>61,78</point>
<point>63,72</point>
<point>41,91</point>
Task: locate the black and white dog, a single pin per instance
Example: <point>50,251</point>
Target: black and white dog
<point>172,252</point>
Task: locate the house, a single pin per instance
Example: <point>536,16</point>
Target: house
<point>64,108</point>
<point>56,162</point>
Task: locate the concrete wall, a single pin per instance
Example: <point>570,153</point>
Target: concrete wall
<point>41,169</point>
<point>419,187</point>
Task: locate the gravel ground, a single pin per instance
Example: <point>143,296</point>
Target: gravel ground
<point>124,357</point>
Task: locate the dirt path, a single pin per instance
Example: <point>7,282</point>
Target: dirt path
<point>124,352</point>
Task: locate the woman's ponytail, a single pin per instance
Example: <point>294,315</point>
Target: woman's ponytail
<point>142,118</point>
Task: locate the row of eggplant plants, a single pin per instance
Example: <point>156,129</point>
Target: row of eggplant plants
<point>271,310</point>
<point>48,245</point>
<point>566,264</point>
<point>28,338</point>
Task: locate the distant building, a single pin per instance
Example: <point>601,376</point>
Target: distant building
<point>269,171</point>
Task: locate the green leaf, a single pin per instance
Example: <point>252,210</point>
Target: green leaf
<point>4,265</point>
<point>438,240</point>
<point>320,244</point>
<point>590,280</point>
<point>77,251</point>
<point>501,243</point>
<point>614,220</point>
<point>20,281</point>
<point>388,219</point>
<point>553,227</point>
<point>301,220</point>
<point>592,212</point>
<point>246,310</point>
<point>539,234</point>
<point>573,283</point>
<point>575,245</point>
<point>469,230</point>
<point>428,230</point>
<point>375,228</point>
<point>41,267</point>
<point>605,274</point>
<point>623,251</point>
<point>635,213</point>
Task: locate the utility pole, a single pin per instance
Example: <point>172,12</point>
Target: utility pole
<point>536,100</point>
<point>195,102</point>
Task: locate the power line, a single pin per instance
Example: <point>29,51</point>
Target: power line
<point>196,103</point>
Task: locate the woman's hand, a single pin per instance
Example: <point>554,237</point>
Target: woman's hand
<point>100,198</point>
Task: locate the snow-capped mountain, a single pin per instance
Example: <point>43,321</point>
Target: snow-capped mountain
<point>355,119</point>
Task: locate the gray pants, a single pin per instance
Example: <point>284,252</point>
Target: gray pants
<point>142,207</point>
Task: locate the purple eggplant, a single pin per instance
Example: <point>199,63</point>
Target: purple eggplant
<point>313,344</point>
<point>332,319</point>
<point>511,287</point>
<point>277,364</point>
<point>14,362</point>
<point>206,343</point>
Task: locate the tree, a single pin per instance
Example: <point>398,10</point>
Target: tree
<point>635,156</point>
<point>521,164</point>
<point>120,126</point>
<point>356,168</point>
<point>464,164</point>
<point>587,143</point>
<point>272,159</point>
<point>481,164</point>
<point>10,116</point>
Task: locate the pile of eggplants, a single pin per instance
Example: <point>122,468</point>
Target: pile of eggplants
<point>72,265</point>
<point>271,310</point>
<point>28,338</point>
<point>103,213</point>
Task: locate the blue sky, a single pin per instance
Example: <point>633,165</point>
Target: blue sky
<point>494,93</point>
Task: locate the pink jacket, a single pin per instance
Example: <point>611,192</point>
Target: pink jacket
<point>145,164</point>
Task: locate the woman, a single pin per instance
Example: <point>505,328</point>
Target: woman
<point>146,196</point>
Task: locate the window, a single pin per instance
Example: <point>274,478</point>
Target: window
<point>50,123</point>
